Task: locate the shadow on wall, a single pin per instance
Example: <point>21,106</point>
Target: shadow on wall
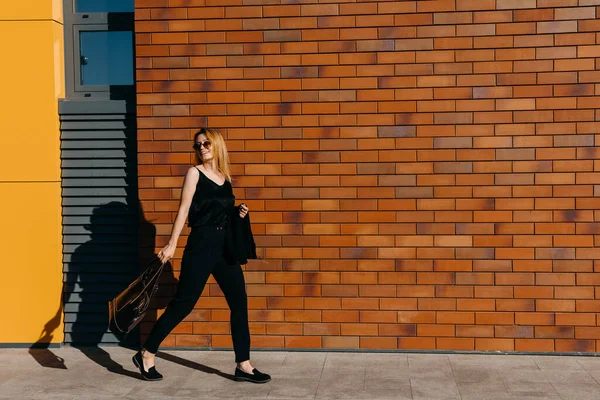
<point>40,350</point>
<point>100,269</point>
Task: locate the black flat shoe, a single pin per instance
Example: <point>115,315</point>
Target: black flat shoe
<point>256,377</point>
<point>152,374</point>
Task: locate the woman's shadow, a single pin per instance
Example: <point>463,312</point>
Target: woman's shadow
<point>40,350</point>
<point>97,271</point>
<point>193,365</point>
<point>89,285</point>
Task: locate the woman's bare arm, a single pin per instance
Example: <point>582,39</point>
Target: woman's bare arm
<point>187,193</point>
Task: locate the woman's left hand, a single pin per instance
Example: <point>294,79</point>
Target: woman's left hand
<point>243,210</point>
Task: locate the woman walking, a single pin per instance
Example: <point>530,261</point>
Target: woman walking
<point>207,201</point>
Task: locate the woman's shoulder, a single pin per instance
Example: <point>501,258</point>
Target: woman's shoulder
<point>193,173</point>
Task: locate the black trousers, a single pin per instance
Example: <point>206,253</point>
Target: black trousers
<point>204,255</point>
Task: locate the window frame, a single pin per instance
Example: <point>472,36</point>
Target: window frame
<point>94,21</point>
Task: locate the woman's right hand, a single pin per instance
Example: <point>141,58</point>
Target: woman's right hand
<point>166,253</point>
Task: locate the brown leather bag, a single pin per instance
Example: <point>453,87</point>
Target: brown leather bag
<point>128,308</point>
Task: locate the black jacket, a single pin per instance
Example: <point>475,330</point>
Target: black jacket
<point>240,246</point>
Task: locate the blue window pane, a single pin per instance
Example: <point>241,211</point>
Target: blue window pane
<point>106,57</point>
<point>82,6</point>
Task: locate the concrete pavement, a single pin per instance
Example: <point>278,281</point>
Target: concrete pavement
<point>67,373</point>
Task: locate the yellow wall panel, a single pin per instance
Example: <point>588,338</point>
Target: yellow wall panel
<point>57,10</point>
<point>33,80</point>
<point>32,51</point>
<point>30,214</point>
<point>31,9</point>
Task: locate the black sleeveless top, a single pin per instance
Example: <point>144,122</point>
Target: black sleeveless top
<point>211,204</point>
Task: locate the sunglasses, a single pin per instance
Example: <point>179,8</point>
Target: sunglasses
<point>206,144</point>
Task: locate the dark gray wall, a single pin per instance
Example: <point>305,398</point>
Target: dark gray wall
<point>100,213</point>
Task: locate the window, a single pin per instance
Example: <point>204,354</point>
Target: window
<point>106,58</point>
<point>99,44</point>
<point>103,6</point>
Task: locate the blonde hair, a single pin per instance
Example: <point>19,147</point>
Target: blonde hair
<point>218,149</point>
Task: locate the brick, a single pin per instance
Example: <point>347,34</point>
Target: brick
<point>397,330</point>
<point>534,15</point>
<point>435,6</point>
<point>436,31</point>
<point>359,329</point>
<point>483,344</point>
<point>534,345</point>
<point>513,4</point>
<point>515,305</point>
<point>574,65</point>
<point>555,305</point>
<point>513,331</point>
<point>281,11</point>
<point>474,331</point>
<point>435,330</point>
<point>455,344</point>
<point>575,319</point>
<point>575,13</point>
<point>475,305</point>
<point>574,293</point>
<point>321,9</point>
<point>494,318</point>
<point>302,342</point>
<point>554,332</point>
<point>301,23</point>
<point>535,318</point>
<point>556,27</point>
<point>568,345</point>
<point>472,5</point>
<point>378,343</point>
<point>345,342</point>
<point>416,343</point>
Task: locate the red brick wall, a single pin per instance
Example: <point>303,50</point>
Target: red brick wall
<point>421,174</point>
